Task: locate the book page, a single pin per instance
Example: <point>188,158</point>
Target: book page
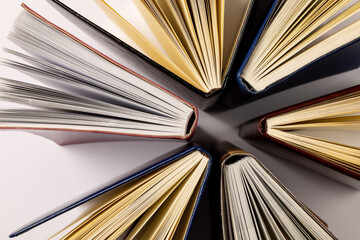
<point>328,130</point>
<point>76,65</point>
<point>261,206</point>
<point>234,16</point>
<point>120,28</point>
<point>134,25</point>
<point>298,34</point>
<point>343,135</point>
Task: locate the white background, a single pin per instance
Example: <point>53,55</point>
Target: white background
<point>37,175</point>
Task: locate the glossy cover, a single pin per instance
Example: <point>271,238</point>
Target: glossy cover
<point>341,59</point>
<point>228,153</point>
<point>132,175</point>
<point>192,121</point>
<point>257,128</point>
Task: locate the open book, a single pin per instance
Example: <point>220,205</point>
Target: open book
<point>204,43</point>
<point>157,201</point>
<point>196,41</point>
<point>325,129</point>
<point>297,35</point>
<point>85,91</point>
<point>256,205</point>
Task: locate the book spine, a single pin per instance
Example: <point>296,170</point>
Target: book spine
<point>238,92</point>
<point>253,129</point>
<point>237,95</point>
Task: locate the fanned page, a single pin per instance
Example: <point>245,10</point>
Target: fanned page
<point>155,205</point>
<point>86,90</point>
<point>297,34</point>
<point>235,18</point>
<point>194,40</point>
<point>258,207</point>
<point>328,130</point>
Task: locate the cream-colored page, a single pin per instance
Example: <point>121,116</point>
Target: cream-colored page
<point>234,16</point>
<point>119,204</point>
<point>102,202</point>
<point>169,214</point>
<point>221,21</point>
<point>176,25</point>
<point>185,220</point>
<point>216,41</point>
<point>311,32</point>
<point>342,135</point>
<point>184,9</point>
<point>96,12</point>
<point>145,27</point>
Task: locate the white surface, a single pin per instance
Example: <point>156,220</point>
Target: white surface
<point>37,175</point>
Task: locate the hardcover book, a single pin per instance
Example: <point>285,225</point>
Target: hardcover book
<point>324,129</point>
<point>251,46</point>
<point>297,40</point>
<point>85,91</point>
<point>256,205</point>
<point>190,46</point>
<point>158,201</point>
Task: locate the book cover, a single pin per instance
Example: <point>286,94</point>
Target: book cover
<point>249,193</point>
<point>86,90</point>
<point>254,13</point>
<point>330,131</point>
<point>287,61</point>
<point>175,182</point>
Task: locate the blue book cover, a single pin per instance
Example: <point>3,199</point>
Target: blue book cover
<point>336,61</point>
<point>143,174</point>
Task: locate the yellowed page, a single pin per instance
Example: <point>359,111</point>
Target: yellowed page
<point>121,218</point>
<point>185,220</point>
<point>221,23</point>
<point>164,222</point>
<point>200,35</point>
<point>342,155</point>
<point>112,210</point>
<point>157,16</point>
<point>148,214</point>
<point>173,18</point>
<point>328,129</point>
<point>233,16</point>
<point>205,26</point>
<point>110,198</point>
<point>119,193</point>
<point>308,33</point>
<point>216,41</point>
<point>174,62</point>
<point>184,9</point>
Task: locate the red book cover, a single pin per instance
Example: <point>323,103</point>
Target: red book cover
<point>68,135</point>
<point>257,129</point>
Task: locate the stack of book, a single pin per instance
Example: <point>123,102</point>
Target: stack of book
<point>140,69</point>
